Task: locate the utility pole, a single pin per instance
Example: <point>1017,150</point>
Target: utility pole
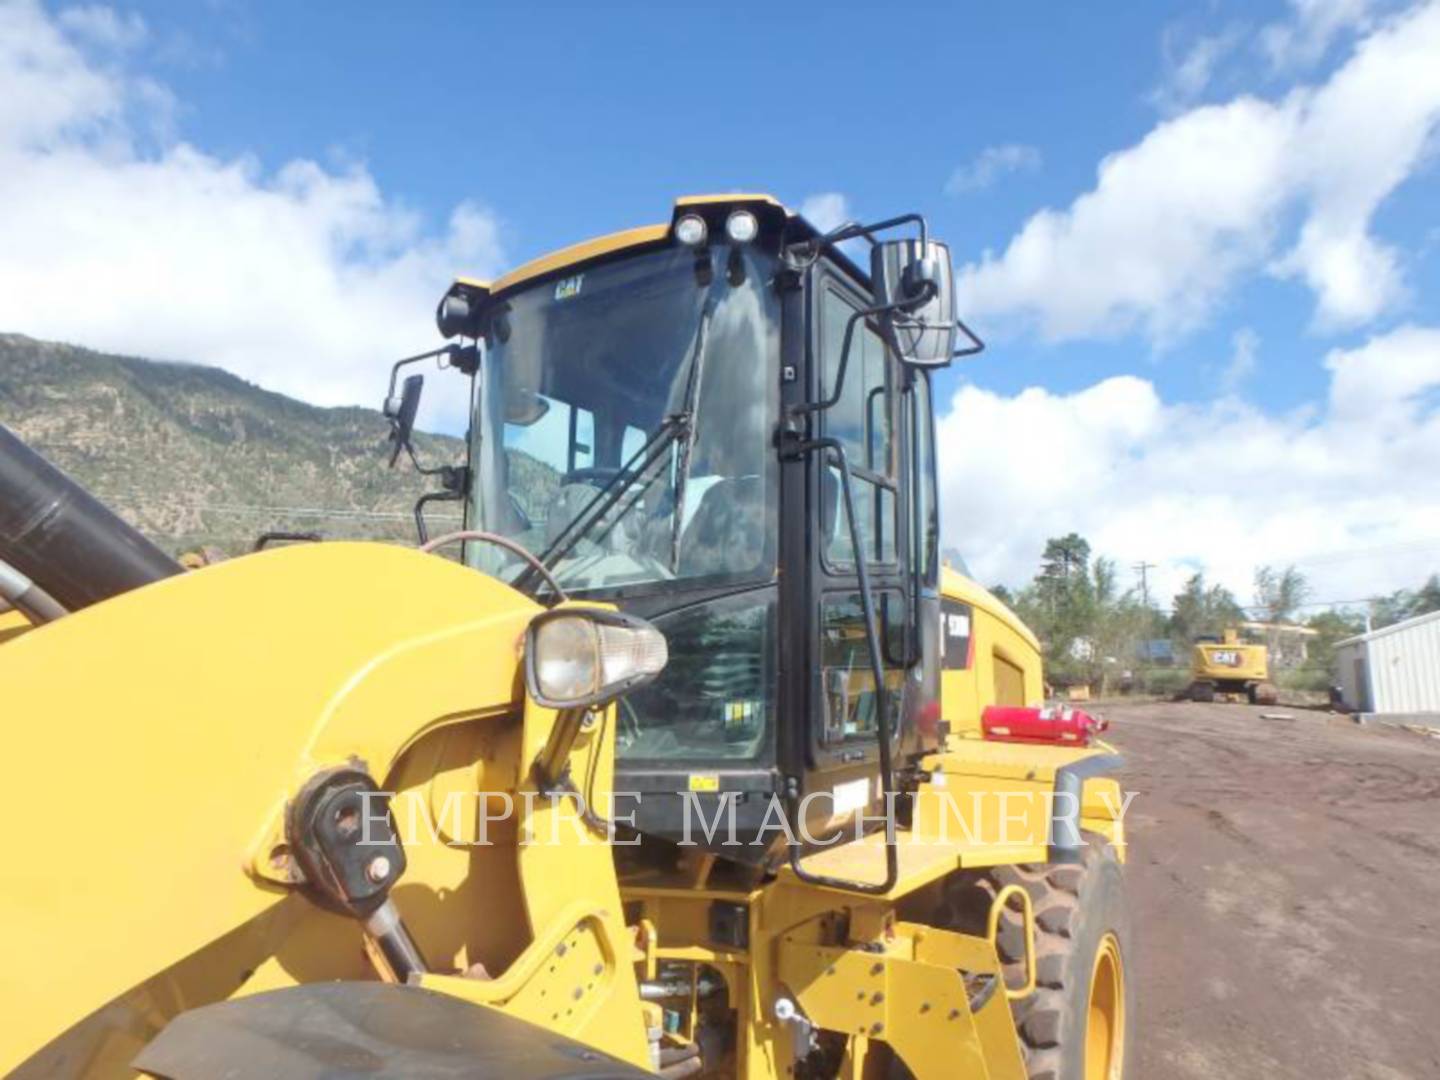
<point>1143,569</point>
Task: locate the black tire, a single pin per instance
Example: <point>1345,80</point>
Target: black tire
<point>1202,691</point>
<point>1076,909</point>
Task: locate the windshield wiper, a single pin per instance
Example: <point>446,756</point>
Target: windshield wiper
<point>687,446</point>
<point>614,490</point>
<point>680,425</point>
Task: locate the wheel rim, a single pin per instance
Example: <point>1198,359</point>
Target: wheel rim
<point>1105,1018</point>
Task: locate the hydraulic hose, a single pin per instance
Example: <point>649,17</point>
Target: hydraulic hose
<point>63,539</point>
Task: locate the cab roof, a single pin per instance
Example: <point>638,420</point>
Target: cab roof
<point>796,227</point>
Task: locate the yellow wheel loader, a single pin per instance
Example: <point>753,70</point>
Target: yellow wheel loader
<point>1228,669</point>
<point>675,767</point>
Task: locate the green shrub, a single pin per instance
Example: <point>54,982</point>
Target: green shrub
<point>1309,677</point>
<point>1165,681</point>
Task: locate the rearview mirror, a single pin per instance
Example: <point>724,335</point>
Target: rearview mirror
<point>921,330</point>
<point>524,406</point>
<point>400,410</point>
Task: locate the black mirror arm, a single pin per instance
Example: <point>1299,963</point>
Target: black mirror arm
<point>451,352</point>
<point>852,230</point>
<point>442,471</point>
<point>918,300</point>
<point>975,346</point>
<point>454,483</point>
<point>394,406</point>
<point>463,358</point>
<point>421,530</point>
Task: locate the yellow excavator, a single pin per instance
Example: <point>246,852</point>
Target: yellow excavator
<point>682,764</point>
<point>1227,668</point>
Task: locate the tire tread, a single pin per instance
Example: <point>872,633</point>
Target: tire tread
<point>1044,1019</point>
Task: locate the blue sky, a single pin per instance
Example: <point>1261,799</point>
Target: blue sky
<point>1196,237</point>
<point>594,116</point>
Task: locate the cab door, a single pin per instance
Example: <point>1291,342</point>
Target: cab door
<point>868,422</point>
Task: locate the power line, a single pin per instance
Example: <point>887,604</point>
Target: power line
<point>1316,603</point>
<point>334,513</point>
<point>1431,544</point>
<point>317,511</point>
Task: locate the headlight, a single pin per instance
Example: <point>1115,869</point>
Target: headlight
<point>578,658</point>
<point>690,230</point>
<point>742,227</point>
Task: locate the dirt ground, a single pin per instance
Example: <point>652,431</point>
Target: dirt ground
<point>1285,886</point>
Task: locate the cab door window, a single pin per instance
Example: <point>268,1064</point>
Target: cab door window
<point>927,510</point>
<point>849,679</point>
<point>862,421</point>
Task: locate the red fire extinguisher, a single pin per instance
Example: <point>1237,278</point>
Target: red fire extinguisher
<point>1050,724</point>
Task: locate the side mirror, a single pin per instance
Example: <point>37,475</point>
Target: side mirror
<point>400,410</point>
<point>917,277</point>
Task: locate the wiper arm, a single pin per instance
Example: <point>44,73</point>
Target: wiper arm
<point>680,425</point>
<point>613,491</point>
<point>692,399</point>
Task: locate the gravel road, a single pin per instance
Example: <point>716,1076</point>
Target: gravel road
<point>1285,883</point>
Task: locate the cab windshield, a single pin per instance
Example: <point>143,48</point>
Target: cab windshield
<point>622,422</point>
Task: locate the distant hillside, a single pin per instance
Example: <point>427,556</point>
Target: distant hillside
<point>193,455</point>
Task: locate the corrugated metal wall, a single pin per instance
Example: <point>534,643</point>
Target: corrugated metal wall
<point>1401,665</point>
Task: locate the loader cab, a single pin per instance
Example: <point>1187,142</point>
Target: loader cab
<point>659,416</point>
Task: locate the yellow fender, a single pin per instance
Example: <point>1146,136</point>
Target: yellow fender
<point>152,741</point>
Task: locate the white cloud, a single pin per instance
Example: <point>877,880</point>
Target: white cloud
<point>1217,486</point>
<point>304,279</point>
<point>1170,221</point>
<point>1313,26</point>
<point>1190,69</point>
<point>990,165</point>
<point>826,210</point>
<point>1244,345</point>
<point>104,26</point>
<point>1357,139</point>
<point>1206,197</point>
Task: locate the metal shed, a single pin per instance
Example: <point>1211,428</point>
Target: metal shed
<point>1392,670</point>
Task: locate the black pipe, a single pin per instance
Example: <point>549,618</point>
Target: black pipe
<point>61,537</point>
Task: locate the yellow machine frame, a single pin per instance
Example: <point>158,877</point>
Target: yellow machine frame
<point>151,872</point>
<point>1005,668</point>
